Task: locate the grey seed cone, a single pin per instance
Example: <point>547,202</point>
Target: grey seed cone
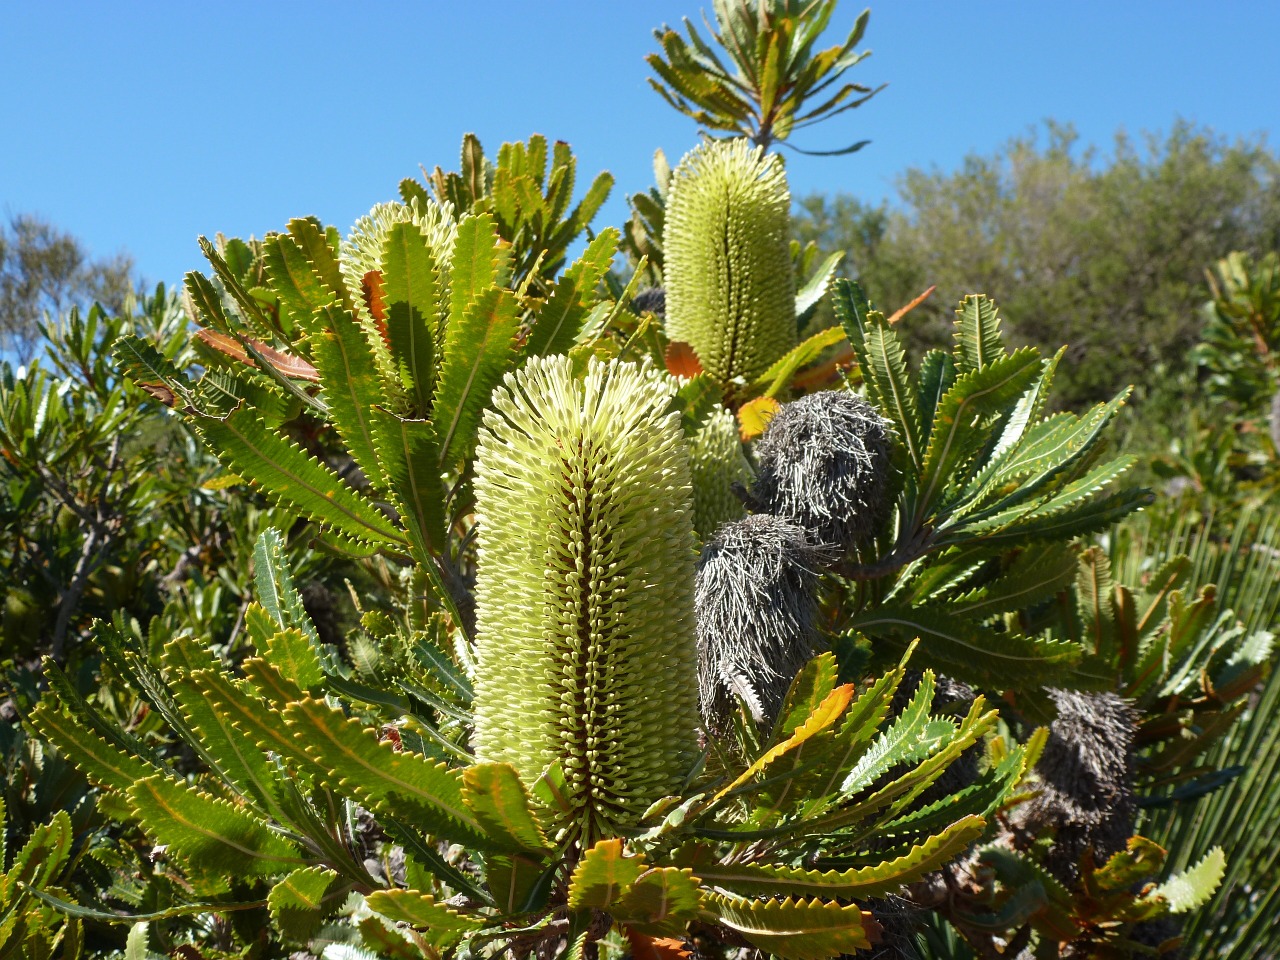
<point>1086,775</point>
<point>651,300</point>
<point>757,607</point>
<point>823,462</point>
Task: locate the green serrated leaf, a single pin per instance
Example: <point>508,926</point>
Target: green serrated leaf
<point>410,455</point>
<point>479,348</point>
<point>793,929</point>
<point>296,903</point>
<point>494,793</point>
<point>351,384</point>
<point>559,321</point>
<point>291,477</point>
<point>762,880</point>
<point>978,341</point>
<point>442,927</point>
<point>603,876</point>
<point>349,755</point>
<point>412,288</point>
<point>210,834</point>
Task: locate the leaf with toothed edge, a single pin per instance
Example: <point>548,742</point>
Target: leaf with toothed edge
<point>290,477</point>
<point>794,929</point>
<point>357,762</point>
<point>765,880</point>
<point>208,833</point>
<point>443,928</point>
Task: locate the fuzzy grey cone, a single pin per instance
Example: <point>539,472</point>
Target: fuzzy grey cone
<point>1086,772</point>
<point>757,606</point>
<point>824,464</point>
<point>651,300</point>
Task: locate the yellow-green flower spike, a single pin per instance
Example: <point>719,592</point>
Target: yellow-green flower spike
<point>585,629</point>
<point>730,288</point>
<point>361,249</point>
<point>716,456</point>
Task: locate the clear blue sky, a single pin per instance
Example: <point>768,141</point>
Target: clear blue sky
<point>140,125</point>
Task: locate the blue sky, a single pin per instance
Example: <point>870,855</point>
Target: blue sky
<point>140,125</point>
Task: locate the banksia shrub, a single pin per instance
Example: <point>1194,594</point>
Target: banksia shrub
<point>718,464</point>
<point>584,592</point>
<point>757,615</point>
<point>730,289</point>
<point>823,463</point>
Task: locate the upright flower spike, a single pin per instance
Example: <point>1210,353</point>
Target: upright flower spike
<point>585,632</point>
<point>718,463</point>
<point>730,288</point>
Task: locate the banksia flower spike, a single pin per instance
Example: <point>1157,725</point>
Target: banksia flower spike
<point>362,248</point>
<point>730,288</point>
<point>757,615</point>
<point>718,464</point>
<point>584,594</point>
<point>823,462</point>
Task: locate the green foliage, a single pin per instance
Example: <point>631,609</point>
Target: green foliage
<point>527,191</point>
<point>775,83</point>
<point>984,474</point>
<point>1106,253</point>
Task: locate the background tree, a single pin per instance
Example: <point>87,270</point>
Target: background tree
<point>1104,253</point>
<point>44,269</point>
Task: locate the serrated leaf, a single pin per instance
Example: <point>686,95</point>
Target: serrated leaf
<point>558,322</point>
<point>38,861</point>
<point>235,757</point>
<point>967,651</point>
<point>73,909</point>
<point>411,458</point>
<point>296,902</point>
<point>442,927</point>
<point>352,387</point>
<point>884,366</point>
<point>764,880</point>
<point>411,287</point>
<point>98,760</point>
<point>794,929</point>
<point>498,799</point>
<point>897,744</point>
<point>277,595</point>
<point>479,348</point>
<point>823,717</point>
<point>812,685</point>
<point>774,380</point>
<point>291,477</point>
<point>815,287</point>
<point>294,281</point>
<point>348,754</point>
<point>294,656</point>
<point>603,876</point>
<point>978,341</point>
<point>960,427</point>
<point>145,365</point>
<point>211,835</point>
<point>1033,576</point>
<point>661,899</point>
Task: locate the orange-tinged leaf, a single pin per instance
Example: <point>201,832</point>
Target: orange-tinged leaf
<point>754,416</point>
<point>681,360</point>
<point>374,299</point>
<point>824,715</point>
<point>656,948</point>
<point>285,363</point>
<point>904,310</point>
